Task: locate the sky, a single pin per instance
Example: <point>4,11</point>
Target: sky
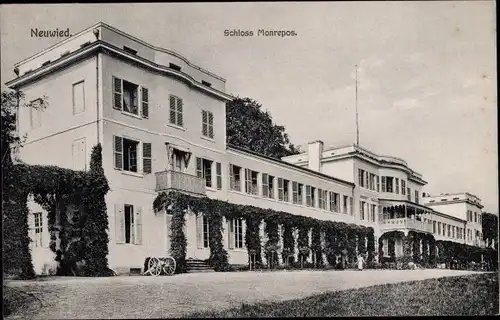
<point>426,75</point>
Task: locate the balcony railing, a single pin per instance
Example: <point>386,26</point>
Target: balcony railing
<point>179,181</point>
<point>405,223</point>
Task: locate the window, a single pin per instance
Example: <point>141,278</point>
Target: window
<point>235,233</point>
<point>322,194</point>
<point>403,187</point>
<point>126,97</point>
<point>38,229</point>
<point>334,202</point>
<point>218,168</point>
<point>129,50</point>
<point>310,196</point>
<point>362,210</point>
<point>234,177</point>
<point>265,185</point>
<point>344,203</point>
<point>449,230</point>
<point>126,155</point>
<point>408,193</point>
<point>397,185</point>
<point>36,113</point>
<point>372,181</point>
<point>374,209</point>
<point>453,232</point>
<point>79,155</point>
<point>283,189</point>
<point>416,196</point>
<point>383,184</point>
<point>389,184</point>
<point>174,66</point>
<point>129,223</point>
<point>439,227</point>
<point>202,231</point>
<point>378,183</point>
<point>475,217</point>
<point>207,128</point>
<point>204,170</point>
<point>251,186</point>
<point>176,111</point>
<point>361,177</point>
<point>433,226</point>
<point>78,97</point>
<point>351,206</point>
<point>297,193</point>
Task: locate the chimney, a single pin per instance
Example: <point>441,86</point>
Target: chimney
<point>315,153</point>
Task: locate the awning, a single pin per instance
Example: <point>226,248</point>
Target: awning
<point>177,147</point>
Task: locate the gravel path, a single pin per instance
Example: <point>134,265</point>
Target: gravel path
<point>175,296</point>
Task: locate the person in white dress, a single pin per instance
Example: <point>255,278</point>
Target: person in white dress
<point>361,261</point>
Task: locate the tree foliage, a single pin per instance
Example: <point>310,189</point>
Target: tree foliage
<point>248,126</point>
<point>490,226</point>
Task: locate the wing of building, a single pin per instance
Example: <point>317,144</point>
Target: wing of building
<point>162,125</point>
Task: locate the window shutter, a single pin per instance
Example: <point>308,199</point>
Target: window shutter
<point>230,233</point>
<point>218,167</point>
<point>119,224</point>
<point>204,121</point>
<point>146,158</point>
<point>199,231</point>
<point>118,146</point>
<point>117,93</point>
<point>199,170</point>
<point>180,121</point>
<point>231,177</point>
<point>211,125</point>
<point>295,190</point>
<point>168,231</point>
<point>173,110</point>
<point>280,189</point>
<point>145,102</point>
<point>138,225</point>
<point>265,185</point>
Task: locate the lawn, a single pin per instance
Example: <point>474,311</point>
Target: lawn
<point>465,295</point>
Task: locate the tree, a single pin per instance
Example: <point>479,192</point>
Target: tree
<point>490,226</point>
<point>252,128</point>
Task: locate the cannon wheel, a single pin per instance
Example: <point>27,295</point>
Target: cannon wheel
<point>154,267</point>
<point>169,266</point>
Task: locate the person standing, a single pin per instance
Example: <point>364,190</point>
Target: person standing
<point>361,261</point>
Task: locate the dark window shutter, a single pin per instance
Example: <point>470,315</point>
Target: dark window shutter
<point>179,112</point>
<point>210,125</point>
<point>199,170</point>
<point>118,146</point>
<point>145,102</point>
<point>219,175</point>
<point>146,158</point>
<point>117,96</point>
<point>204,125</point>
<point>172,110</point>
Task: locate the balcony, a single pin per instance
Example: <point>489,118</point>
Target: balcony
<point>179,181</point>
<point>405,223</point>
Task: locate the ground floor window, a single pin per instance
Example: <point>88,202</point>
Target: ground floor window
<point>129,223</point>
<point>38,226</point>
<point>202,231</point>
<point>235,233</point>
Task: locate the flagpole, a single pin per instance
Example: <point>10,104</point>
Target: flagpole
<point>357,121</point>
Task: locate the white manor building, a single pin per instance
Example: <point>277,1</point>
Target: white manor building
<point>162,125</point>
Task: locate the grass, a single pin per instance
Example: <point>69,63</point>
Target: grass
<point>465,295</point>
<point>16,299</point>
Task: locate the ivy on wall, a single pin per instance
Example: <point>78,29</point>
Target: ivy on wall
<point>316,247</point>
<point>370,244</point>
<point>179,204</point>
<point>272,245</point>
<point>83,239</point>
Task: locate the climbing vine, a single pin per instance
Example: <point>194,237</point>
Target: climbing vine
<point>74,201</point>
<point>272,245</point>
<point>303,244</point>
<point>253,217</point>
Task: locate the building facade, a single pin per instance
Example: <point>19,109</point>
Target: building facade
<point>162,125</point>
